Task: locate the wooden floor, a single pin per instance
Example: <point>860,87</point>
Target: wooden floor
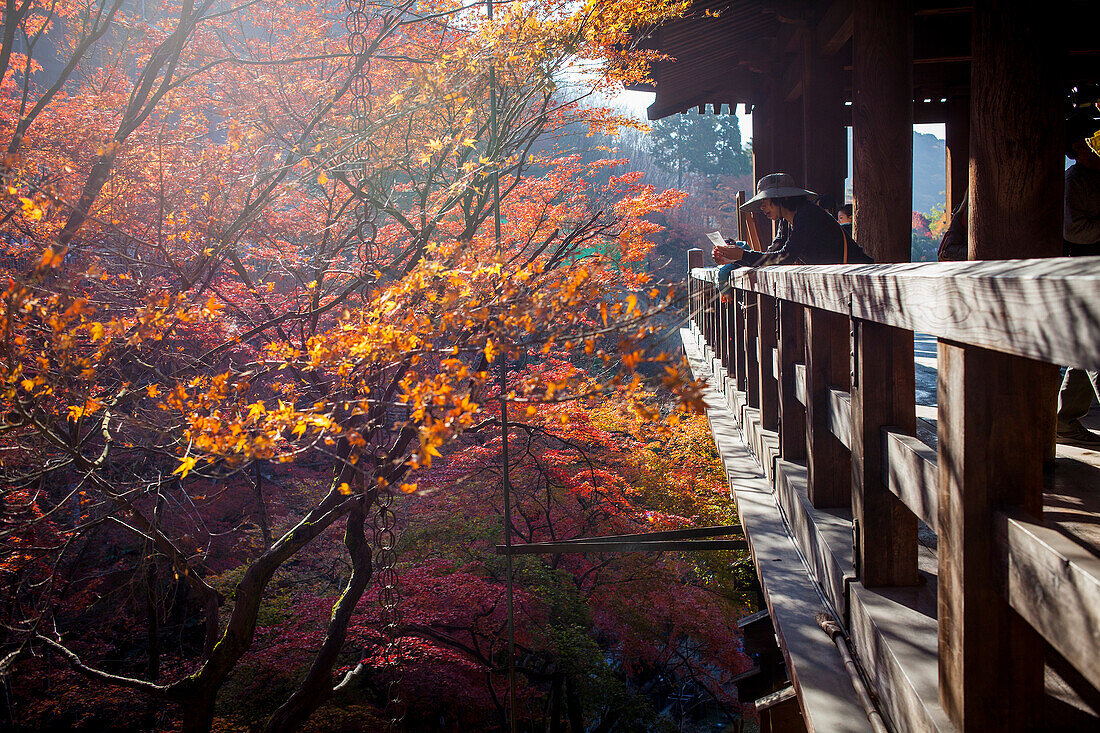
<point>899,624</point>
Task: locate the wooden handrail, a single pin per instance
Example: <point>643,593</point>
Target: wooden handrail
<point>1043,309</point>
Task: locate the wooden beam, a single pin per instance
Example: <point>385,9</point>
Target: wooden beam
<point>883,389</point>
<point>1054,583</point>
<point>882,127</point>
<point>990,456</point>
<point>835,27</point>
<point>840,416</point>
<point>561,548</point>
<point>910,473</point>
<point>829,472</point>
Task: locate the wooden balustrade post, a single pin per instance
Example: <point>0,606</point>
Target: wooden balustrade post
<point>739,357</point>
<point>991,438</point>
<point>752,367</point>
<point>883,395</point>
<point>730,336</point>
<point>827,365</point>
<point>765,347</point>
<point>792,350</point>
<point>695,300</point>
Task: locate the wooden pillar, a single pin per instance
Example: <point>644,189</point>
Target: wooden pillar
<point>882,127</point>
<point>883,395</point>
<point>990,457</point>
<point>958,150</point>
<point>827,365</point>
<point>765,345</point>
<point>762,136</point>
<point>996,411</point>
<point>792,351</point>
<point>1017,135</point>
<point>825,151</point>
<point>788,144</point>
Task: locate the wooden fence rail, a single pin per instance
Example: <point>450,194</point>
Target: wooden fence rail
<point>825,353</point>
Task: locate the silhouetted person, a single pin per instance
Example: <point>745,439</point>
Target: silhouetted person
<point>1081,230</point>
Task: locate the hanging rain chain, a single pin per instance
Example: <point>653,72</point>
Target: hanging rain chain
<point>364,228</point>
<point>389,600</point>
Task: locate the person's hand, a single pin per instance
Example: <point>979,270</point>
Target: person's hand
<point>725,253</point>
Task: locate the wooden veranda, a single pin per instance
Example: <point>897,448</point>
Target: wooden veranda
<point>958,551</point>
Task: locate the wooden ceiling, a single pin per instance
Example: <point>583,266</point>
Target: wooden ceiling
<point>729,52</point>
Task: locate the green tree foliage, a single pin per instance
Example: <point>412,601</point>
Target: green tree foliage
<point>706,145</point>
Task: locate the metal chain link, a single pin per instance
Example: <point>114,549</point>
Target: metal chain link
<point>365,228</point>
<point>389,602</point>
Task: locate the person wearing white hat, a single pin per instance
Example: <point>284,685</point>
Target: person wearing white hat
<point>806,234</point>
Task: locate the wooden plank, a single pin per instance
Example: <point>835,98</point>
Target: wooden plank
<point>792,411</point>
<point>910,473</point>
<point>825,693</point>
<point>827,458</point>
<point>671,534</point>
<point>581,547</point>
<point>840,416</point>
<point>990,456</point>
<point>883,389</point>
<point>1054,584</point>
<point>766,342</point>
<point>1044,309</point>
<point>897,642</point>
<point>882,127</point>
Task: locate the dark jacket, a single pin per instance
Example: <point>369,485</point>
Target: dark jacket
<point>814,238</point>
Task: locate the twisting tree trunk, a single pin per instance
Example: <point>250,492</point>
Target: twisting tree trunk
<point>317,685</point>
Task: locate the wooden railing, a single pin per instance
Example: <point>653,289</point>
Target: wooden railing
<point>825,354</point>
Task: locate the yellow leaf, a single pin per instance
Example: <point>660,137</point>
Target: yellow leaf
<point>185,466</point>
<point>322,178</point>
<point>408,488</point>
<point>152,390</point>
<point>344,488</point>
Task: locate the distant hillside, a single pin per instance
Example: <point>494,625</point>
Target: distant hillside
<point>929,172</point>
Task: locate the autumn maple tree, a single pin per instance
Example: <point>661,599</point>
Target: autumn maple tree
<point>244,240</point>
